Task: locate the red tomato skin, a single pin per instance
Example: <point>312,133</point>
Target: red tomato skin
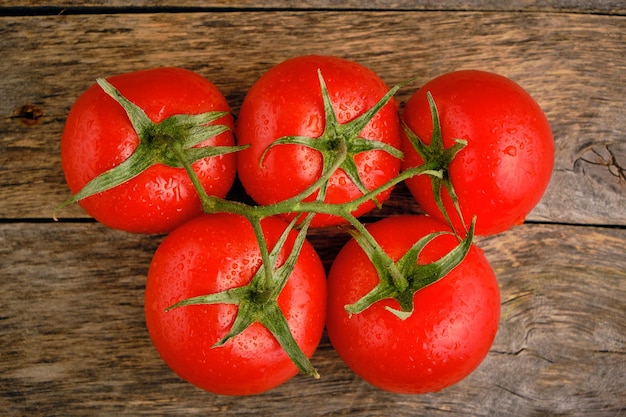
<point>504,170</point>
<point>99,136</point>
<point>447,336</point>
<point>212,253</point>
<point>287,101</point>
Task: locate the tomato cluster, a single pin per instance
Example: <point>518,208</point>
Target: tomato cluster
<point>236,299</point>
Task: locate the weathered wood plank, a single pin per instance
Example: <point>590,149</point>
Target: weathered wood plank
<point>578,6</point>
<point>73,339</point>
<point>573,64</point>
<point>72,334</point>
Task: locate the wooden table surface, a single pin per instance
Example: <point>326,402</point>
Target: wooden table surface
<point>72,334</point>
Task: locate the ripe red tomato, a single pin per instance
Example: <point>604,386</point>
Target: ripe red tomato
<point>98,136</point>
<point>504,170</point>
<point>450,331</point>
<point>287,101</point>
<point>210,254</point>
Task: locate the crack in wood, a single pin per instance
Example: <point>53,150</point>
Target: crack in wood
<point>605,163</point>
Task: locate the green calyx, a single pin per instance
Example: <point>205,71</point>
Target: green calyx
<point>438,159</point>
<point>342,142</point>
<point>402,279</point>
<point>157,144</point>
<point>258,300</point>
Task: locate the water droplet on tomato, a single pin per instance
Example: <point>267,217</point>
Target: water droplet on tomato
<point>510,150</point>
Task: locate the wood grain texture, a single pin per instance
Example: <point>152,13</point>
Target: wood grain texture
<point>573,64</point>
<point>73,340</point>
<point>80,6</point>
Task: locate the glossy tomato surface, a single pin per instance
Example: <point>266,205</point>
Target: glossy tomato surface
<point>98,136</point>
<point>212,253</point>
<point>450,331</point>
<point>504,170</point>
<point>287,101</point>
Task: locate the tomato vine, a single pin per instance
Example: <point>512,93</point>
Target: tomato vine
<point>173,143</point>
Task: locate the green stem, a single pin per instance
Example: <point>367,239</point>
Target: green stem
<point>213,204</point>
<point>266,283</point>
<point>377,254</point>
<point>287,206</point>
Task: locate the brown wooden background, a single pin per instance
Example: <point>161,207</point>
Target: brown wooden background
<point>72,335</point>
